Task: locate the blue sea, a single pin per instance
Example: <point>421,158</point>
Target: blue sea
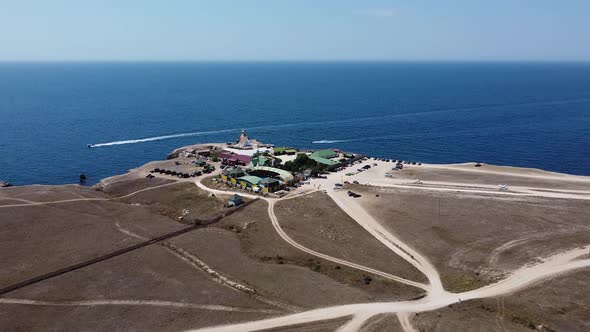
<point>520,114</point>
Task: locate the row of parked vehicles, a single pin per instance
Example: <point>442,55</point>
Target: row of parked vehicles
<point>399,161</point>
<point>174,173</point>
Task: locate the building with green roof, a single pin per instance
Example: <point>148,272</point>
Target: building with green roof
<point>326,153</point>
<point>236,172</point>
<point>250,180</point>
<point>279,150</point>
<point>324,161</point>
<point>285,176</point>
<point>322,157</point>
<point>261,161</point>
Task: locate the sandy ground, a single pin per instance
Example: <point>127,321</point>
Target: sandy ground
<point>382,322</point>
<point>493,175</point>
<point>474,239</point>
<point>321,326</point>
<point>504,221</point>
<point>315,221</point>
<point>557,304</point>
<point>249,272</point>
<point>42,193</point>
<point>148,289</point>
<point>521,278</point>
<point>256,255</point>
<point>39,239</point>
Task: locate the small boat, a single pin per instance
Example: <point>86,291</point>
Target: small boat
<point>89,145</point>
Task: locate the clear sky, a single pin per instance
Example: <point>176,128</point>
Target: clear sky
<point>251,30</point>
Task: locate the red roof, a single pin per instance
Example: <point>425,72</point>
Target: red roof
<point>234,157</point>
<point>241,158</point>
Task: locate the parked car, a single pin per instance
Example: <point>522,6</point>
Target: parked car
<point>353,194</point>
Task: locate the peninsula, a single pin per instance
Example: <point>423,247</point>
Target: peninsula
<point>245,235</point>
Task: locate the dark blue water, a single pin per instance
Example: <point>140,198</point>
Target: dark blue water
<point>533,115</point>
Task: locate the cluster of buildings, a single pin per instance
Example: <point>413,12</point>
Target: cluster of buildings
<point>262,179</point>
<point>254,166</point>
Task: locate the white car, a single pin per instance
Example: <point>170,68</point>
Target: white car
<point>503,187</point>
<point>388,175</point>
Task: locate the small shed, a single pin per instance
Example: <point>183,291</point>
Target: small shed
<point>235,200</point>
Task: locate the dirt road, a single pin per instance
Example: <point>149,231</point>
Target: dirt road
<point>437,297</point>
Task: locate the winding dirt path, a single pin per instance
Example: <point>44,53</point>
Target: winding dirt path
<point>89,199</point>
<point>356,212</point>
<point>437,297</point>
<point>520,279</point>
<point>92,303</point>
<point>284,236</point>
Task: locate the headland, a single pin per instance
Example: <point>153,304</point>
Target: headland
<point>246,235</point>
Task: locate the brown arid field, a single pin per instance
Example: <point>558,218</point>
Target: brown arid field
<point>448,253</point>
<point>558,304</point>
<point>474,239</point>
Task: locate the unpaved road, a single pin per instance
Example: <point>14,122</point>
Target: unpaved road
<point>88,199</point>
<point>437,297</point>
<point>356,212</point>
<point>521,278</point>
<point>91,303</point>
<point>284,236</point>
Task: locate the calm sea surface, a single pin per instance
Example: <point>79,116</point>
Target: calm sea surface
<point>532,115</point>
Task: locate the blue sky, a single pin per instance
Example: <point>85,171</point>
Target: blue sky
<point>252,30</point>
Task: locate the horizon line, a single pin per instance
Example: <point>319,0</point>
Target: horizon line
<point>300,61</point>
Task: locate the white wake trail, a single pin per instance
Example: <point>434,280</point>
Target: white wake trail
<point>159,138</point>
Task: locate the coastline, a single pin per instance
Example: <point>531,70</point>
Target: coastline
<point>468,167</point>
<point>317,232</point>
